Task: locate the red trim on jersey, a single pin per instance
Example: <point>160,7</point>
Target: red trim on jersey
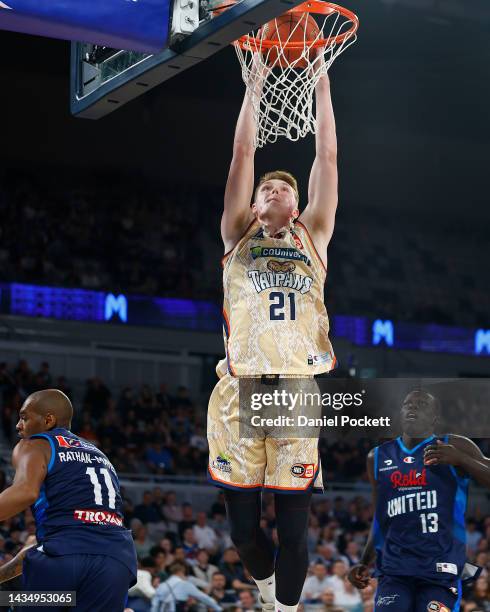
<point>311,243</point>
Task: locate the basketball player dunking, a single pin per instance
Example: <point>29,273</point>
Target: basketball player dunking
<point>275,323</point>
<point>419,484</point>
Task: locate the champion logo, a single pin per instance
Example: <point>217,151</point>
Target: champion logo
<point>409,459</point>
<point>412,479</point>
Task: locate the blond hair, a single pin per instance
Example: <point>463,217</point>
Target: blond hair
<point>281,175</point>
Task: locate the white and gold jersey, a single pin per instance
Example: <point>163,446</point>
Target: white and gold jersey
<point>274,316</point>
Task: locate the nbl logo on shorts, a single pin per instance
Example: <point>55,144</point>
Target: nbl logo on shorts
<point>303,470</point>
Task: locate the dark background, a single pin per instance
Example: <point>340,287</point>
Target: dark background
<point>411,99</point>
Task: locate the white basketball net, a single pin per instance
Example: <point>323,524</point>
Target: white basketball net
<point>281,81</point>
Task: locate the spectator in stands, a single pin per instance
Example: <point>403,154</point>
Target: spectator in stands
<point>328,600</point>
<point>23,377</point>
<point>171,510</point>
<point>481,593</point>
<point>204,534</point>
<point>44,376</point>
<point>142,542</point>
<point>349,597</point>
<point>167,546</point>
<point>315,584</point>
<point>367,596</point>
<point>328,536</point>
<point>158,458</point>
<point>232,568</point>
<point>160,560</point>
<point>218,590</point>
<point>62,385</point>
<point>473,537</point>
<point>202,569</point>
<point>351,554</point>
<point>141,594</point>
<point>313,533</point>
<point>247,601</point>
<point>86,429</point>
<point>174,592</point>
<point>219,506</point>
<point>147,512</point>
<point>187,520</point>
<point>97,396</point>
<point>339,572</point>
<point>189,544</point>
<point>340,514</point>
<point>163,398</point>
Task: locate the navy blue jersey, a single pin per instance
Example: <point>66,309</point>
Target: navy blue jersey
<point>419,526</point>
<point>79,508</point>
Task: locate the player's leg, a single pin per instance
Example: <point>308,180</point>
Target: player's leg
<point>42,572</point>
<point>234,462</point>
<point>103,584</point>
<point>238,465</point>
<point>293,471</point>
<point>438,597</point>
<point>255,549</point>
<point>292,514</point>
<point>395,593</point>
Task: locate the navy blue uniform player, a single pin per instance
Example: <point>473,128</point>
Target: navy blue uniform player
<point>420,484</point>
<point>74,495</point>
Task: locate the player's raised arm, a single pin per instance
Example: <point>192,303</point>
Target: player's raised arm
<point>319,215</point>
<point>239,187</point>
<point>29,462</point>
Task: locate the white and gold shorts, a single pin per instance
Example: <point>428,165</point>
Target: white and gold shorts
<point>278,464</point>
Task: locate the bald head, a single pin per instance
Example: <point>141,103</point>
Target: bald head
<point>52,405</point>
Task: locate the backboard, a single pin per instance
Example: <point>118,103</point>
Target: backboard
<point>103,78</point>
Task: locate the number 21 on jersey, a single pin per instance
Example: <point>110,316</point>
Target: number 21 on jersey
<point>278,309</point>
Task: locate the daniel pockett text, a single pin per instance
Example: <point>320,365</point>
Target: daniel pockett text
<point>341,409</point>
<point>295,410</point>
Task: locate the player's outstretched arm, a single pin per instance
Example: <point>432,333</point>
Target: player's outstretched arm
<point>359,573</point>
<point>13,568</point>
<point>462,453</point>
<point>237,214</point>
<point>30,462</point>
<point>319,215</point>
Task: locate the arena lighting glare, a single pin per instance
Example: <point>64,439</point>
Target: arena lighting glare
<point>61,303</point>
<point>482,341</point>
<point>116,306</point>
<point>383,331</point>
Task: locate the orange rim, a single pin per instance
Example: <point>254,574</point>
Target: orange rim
<point>317,7</point>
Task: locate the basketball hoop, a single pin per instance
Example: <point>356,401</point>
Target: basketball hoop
<point>283,61</point>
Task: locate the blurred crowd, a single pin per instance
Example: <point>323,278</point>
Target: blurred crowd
<point>194,547</point>
<point>98,233</point>
<point>149,430</point>
<point>155,431</point>
<point>132,236</point>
